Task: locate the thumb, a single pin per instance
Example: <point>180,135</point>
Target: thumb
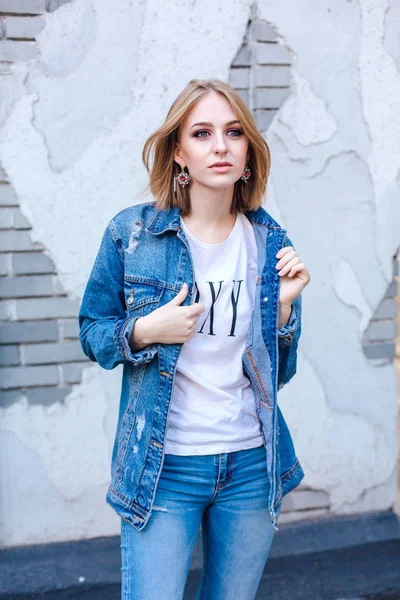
<point>181,295</point>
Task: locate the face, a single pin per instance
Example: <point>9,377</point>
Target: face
<point>211,133</point>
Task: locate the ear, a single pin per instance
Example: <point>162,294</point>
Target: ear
<point>177,156</point>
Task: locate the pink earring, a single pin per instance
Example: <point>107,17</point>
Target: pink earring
<point>246,173</point>
<point>183,178</point>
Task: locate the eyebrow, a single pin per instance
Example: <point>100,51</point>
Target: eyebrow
<point>207,124</point>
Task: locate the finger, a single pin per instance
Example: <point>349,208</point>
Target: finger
<point>285,258</point>
<point>181,295</point>
<point>283,251</point>
<point>295,269</point>
<point>196,309</point>
<point>289,265</point>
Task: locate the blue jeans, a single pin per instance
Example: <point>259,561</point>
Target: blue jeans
<point>227,494</point>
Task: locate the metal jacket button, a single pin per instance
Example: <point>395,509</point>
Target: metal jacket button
<point>266,298</point>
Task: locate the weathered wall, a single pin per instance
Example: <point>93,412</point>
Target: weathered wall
<point>78,79</point>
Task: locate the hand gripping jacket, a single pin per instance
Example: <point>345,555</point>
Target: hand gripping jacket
<point>143,260</point>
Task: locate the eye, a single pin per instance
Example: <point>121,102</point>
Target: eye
<point>238,132</point>
<point>197,134</point>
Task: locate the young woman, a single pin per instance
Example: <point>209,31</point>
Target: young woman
<point>198,294</point>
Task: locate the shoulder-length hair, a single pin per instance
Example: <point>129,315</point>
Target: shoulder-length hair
<point>161,147</point>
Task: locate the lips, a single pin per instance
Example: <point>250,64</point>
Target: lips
<point>221,164</point>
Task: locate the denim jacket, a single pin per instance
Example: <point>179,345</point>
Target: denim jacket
<point>143,260</point>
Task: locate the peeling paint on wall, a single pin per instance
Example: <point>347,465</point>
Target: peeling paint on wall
<point>55,459</point>
<point>359,453</point>
<point>72,128</point>
<point>307,115</point>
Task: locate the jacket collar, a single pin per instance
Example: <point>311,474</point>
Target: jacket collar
<point>166,219</point>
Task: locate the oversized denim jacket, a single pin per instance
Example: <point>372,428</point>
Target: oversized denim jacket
<point>143,260</point>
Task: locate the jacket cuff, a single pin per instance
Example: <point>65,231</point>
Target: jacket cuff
<point>122,334</point>
<point>287,332</point>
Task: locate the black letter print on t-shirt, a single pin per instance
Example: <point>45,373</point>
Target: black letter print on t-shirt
<point>214,298</point>
<point>211,311</point>
<point>197,293</point>
<point>234,306</point>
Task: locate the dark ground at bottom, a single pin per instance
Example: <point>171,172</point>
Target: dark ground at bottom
<point>337,558</point>
<point>369,571</point>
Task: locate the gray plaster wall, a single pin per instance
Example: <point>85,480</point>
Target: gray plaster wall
<point>83,87</point>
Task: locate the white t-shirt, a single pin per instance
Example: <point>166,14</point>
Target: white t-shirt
<point>212,406</point>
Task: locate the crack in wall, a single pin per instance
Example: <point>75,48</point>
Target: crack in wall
<point>283,70</point>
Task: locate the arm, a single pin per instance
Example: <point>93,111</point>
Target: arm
<point>289,323</point>
<point>284,314</point>
<point>289,332</point>
<point>105,330</point>
<point>288,339</point>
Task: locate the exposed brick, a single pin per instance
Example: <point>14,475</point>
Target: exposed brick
<point>9,397</point>
<point>243,57</point>
<point>270,97</point>
<point>6,310</point>
<point>387,309</point>
<point>53,353</point>
<point>4,264</point>
<point>25,263</point>
<point>244,94</point>
<point>381,330</point>
<point>271,54</point>
<point>72,372</point>
<point>391,292</point>
<point>9,355</point>
<point>7,195</point>
<point>380,350</point>
<point>264,118</point>
<point>47,395</point>
<point>71,328</point>
<point>58,287</point>
<point>26,286</point>
<point>23,27</point>
<point>16,51</point>
<point>20,221</point>
<point>14,240</point>
<point>47,308</point>
<point>31,7</point>
<point>12,217</point>
<point>277,75</point>
<point>6,217</point>
<point>16,377</point>
<point>262,32</point>
<point>17,332</point>
<point>239,78</point>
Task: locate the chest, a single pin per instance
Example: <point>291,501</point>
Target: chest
<point>155,272</point>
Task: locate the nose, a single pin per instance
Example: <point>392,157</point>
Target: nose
<point>219,143</point>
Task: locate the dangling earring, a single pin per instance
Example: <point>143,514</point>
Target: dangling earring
<point>183,178</point>
<point>246,173</point>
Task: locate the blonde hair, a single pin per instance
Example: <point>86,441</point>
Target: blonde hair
<point>161,146</point>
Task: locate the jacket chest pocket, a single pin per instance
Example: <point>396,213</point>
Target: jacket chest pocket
<point>142,295</point>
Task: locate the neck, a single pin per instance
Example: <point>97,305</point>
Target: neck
<point>210,207</point>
